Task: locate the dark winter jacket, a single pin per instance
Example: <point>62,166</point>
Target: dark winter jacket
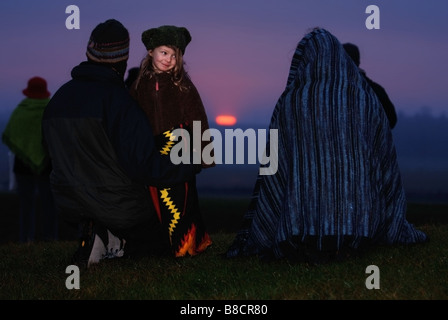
<point>387,104</point>
<point>102,150</point>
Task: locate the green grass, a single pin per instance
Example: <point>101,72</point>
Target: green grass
<point>37,271</point>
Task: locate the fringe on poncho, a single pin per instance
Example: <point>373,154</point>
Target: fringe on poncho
<point>338,186</point>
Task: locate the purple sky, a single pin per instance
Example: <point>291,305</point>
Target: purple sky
<point>241,49</point>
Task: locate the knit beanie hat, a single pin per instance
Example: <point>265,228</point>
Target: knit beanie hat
<point>108,43</point>
<point>166,35</point>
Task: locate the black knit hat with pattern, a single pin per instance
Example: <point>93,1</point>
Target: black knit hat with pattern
<point>166,35</point>
<point>108,43</point>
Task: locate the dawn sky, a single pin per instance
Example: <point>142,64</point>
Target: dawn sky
<point>241,50</point>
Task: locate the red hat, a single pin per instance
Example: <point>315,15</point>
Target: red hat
<point>37,88</point>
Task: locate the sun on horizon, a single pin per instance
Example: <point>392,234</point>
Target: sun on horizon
<point>225,120</point>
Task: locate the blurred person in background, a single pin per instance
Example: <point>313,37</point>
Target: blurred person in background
<point>31,165</point>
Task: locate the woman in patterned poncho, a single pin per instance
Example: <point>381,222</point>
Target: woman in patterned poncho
<point>338,188</point>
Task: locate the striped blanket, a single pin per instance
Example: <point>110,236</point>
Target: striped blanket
<point>338,187</point>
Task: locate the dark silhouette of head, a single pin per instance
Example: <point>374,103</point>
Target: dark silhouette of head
<point>353,52</point>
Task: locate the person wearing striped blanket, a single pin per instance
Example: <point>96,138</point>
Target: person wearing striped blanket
<point>338,190</point>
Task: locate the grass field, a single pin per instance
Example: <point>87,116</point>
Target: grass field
<point>37,271</point>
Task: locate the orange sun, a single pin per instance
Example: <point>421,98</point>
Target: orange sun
<point>225,120</point>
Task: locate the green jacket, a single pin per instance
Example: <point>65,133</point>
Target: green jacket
<point>23,133</point>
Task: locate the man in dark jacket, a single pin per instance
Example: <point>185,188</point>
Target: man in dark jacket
<point>389,108</point>
<point>103,154</point>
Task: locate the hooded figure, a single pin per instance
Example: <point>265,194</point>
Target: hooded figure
<point>338,187</point>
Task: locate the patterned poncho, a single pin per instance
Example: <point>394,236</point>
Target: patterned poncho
<point>338,186</point>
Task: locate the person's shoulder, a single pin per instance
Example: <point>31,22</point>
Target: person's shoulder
<point>188,82</point>
<point>376,86</point>
<point>372,83</point>
<point>187,78</point>
<point>122,93</point>
<point>24,101</point>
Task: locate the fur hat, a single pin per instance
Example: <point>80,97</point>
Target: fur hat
<point>108,43</point>
<point>37,89</point>
<point>166,35</point>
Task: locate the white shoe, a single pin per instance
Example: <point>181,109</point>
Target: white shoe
<point>98,251</point>
<point>115,246</point>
